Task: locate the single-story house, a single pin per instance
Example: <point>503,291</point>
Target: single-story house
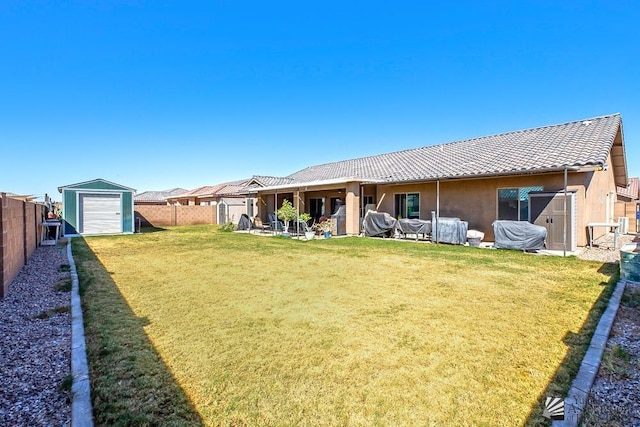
<point>97,207</point>
<point>231,204</point>
<point>628,206</point>
<point>630,192</point>
<point>156,197</point>
<point>542,175</point>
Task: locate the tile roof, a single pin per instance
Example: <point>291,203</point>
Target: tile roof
<point>632,190</point>
<point>157,196</point>
<point>205,190</point>
<point>223,189</point>
<point>579,143</point>
<point>266,181</point>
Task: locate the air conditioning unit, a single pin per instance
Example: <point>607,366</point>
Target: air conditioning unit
<point>624,225</point>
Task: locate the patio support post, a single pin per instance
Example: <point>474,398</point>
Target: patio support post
<point>296,195</point>
<point>352,204</point>
<point>437,209</point>
<point>362,212</point>
<point>564,218</point>
<point>275,212</point>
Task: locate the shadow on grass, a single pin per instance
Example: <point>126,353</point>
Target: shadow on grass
<point>146,230</point>
<point>577,344</point>
<point>130,384</point>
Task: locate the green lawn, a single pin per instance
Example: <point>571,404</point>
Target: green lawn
<point>193,326</point>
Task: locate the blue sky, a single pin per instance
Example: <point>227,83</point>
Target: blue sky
<point>161,94</point>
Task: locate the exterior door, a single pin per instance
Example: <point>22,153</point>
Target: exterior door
<point>547,210</point>
<point>100,214</point>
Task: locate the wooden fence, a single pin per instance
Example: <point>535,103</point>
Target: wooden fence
<point>20,232</point>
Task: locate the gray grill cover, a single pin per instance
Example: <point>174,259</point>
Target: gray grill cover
<point>414,226</point>
<point>244,223</point>
<point>378,224</point>
<point>448,230</point>
<point>520,235</point>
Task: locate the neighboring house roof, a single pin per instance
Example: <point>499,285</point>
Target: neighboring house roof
<point>226,189</point>
<point>157,196</point>
<point>549,148</point>
<point>631,191</point>
<point>260,181</point>
<point>230,190</point>
<point>27,197</point>
<point>197,192</point>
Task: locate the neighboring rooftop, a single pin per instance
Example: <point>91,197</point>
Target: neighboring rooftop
<point>26,197</point>
<point>223,189</point>
<point>630,191</point>
<point>157,196</point>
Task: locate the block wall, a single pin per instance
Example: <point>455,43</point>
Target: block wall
<point>20,232</point>
<point>165,215</point>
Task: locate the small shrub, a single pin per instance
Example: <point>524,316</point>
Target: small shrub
<point>65,385</point>
<point>616,361</point>
<point>631,298</point>
<point>52,312</point>
<point>228,227</point>
<point>63,286</point>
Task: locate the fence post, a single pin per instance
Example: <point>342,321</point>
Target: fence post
<point>35,226</point>
<point>25,251</point>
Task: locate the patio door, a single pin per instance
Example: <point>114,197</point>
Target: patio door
<point>316,208</point>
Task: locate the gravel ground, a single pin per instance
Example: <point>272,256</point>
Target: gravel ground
<point>615,396</point>
<point>35,343</point>
<point>602,249</point>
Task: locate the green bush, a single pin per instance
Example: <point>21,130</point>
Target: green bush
<point>228,227</point>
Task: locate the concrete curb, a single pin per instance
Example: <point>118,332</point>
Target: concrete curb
<point>576,399</point>
<point>81,412</point>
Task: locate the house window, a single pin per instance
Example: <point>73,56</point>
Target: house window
<point>513,203</point>
<point>407,205</point>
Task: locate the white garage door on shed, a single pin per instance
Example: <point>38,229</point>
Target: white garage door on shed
<point>100,213</point>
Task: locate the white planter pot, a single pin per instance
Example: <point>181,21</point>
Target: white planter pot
<point>309,235</point>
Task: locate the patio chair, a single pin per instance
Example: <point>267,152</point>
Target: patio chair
<point>275,223</point>
<point>259,225</point>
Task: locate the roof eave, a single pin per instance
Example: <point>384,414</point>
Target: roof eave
<point>309,184</point>
<point>556,169</point>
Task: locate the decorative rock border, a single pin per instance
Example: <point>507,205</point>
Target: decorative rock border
<point>81,412</point>
<point>576,400</point>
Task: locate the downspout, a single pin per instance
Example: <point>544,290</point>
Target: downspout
<point>276,225</point>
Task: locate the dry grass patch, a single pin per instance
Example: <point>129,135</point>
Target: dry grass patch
<point>267,331</point>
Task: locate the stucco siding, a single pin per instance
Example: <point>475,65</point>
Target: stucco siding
<point>476,201</point>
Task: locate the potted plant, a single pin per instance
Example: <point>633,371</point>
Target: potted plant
<point>324,226</point>
<point>286,213</point>
<point>308,231</point>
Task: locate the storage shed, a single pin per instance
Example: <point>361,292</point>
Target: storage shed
<point>97,207</point>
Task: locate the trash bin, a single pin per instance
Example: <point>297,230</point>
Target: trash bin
<point>474,237</point>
